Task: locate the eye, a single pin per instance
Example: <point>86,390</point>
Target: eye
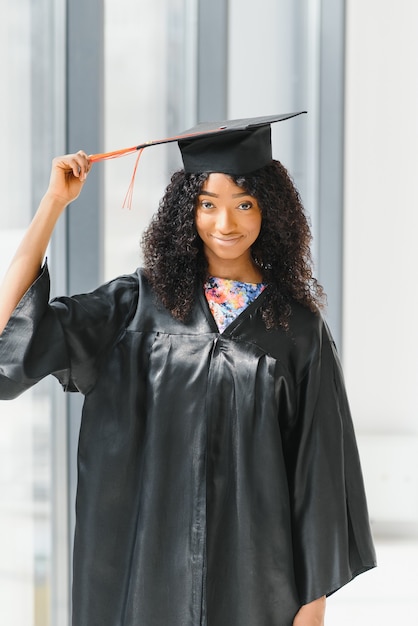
<point>245,206</point>
<point>206,204</point>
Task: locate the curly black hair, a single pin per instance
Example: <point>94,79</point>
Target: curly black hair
<point>174,259</point>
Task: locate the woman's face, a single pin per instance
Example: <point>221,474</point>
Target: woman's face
<point>228,221</point>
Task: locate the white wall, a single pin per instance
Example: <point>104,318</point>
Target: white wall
<point>380,330</point>
<point>381,214</point>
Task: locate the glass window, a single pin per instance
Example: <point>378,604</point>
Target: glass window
<point>31,101</point>
<point>149,78</point>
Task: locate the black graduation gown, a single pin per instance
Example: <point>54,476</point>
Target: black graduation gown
<point>219,478</point>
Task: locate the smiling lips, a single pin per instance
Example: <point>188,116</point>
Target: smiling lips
<point>226,240</point>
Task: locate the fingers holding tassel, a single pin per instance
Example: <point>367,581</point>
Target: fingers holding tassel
<point>68,174</point>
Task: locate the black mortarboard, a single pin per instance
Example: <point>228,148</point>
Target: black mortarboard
<point>232,147</point>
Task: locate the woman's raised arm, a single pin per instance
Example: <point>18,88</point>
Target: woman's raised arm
<point>68,175</point>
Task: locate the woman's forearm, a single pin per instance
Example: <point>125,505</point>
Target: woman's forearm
<point>67,177</point>
<point>312,614</point>
<point>25,265</point>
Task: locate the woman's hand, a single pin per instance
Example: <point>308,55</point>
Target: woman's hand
<point>68,174</point>
<point>312,614</point>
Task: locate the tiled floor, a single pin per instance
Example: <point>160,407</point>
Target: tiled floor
<point>385,596</point>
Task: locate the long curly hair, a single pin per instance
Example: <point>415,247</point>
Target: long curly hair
<point>174,259</point>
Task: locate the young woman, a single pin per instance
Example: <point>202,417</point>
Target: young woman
<point>219,479</point>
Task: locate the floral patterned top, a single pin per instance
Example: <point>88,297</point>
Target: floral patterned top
<point>228,298</point>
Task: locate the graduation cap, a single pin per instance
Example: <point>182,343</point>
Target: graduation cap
<point>235,147</point>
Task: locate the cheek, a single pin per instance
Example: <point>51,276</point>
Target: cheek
<point>256,226</point>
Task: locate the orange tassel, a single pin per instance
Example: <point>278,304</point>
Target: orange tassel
<point>127,203</point>
<point>103,156</point>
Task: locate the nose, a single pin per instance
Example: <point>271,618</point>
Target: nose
<point>225,222</point>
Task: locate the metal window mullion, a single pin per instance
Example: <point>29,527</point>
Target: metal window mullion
<point>85,218</point>
<point>331,156</point>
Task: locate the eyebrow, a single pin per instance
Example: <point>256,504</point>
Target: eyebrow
<point>215,195</point>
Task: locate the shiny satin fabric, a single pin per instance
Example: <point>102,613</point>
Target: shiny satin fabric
<point>219,479</point>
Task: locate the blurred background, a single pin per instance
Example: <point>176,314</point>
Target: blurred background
<point>102,75</point>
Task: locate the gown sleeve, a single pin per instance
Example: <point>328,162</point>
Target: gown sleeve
<point>68,337</point>
<point>331,531</point>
